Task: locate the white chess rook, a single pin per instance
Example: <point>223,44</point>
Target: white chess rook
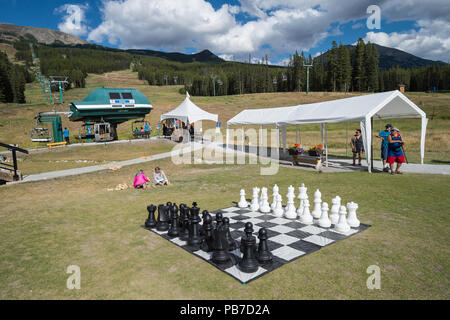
<point>306,217</point>
<point>242,202</point>
<point>278,210</point>
<point>334,212</point>
<point>342,225</point>
<point>317,212</point>
<point>255,201</point>
<point>324,221</point>
<point>352,219</point>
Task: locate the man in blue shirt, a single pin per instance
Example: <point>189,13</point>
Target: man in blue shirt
<point>147,127</point>
<point>66,135</point>
<point>383,135</point>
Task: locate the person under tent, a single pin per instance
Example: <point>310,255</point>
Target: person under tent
<point>357,146</point>
<point>395,153</point>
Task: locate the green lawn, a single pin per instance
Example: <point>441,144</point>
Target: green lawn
<point>47,226</point>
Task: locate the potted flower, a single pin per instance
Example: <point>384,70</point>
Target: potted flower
<point>295,150</point>
<point>316,151</point>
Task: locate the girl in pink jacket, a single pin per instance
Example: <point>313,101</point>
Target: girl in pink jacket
<point>139,180</point>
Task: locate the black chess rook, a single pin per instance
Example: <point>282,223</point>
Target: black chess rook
<point>151,221</point>
<point>163,218</point>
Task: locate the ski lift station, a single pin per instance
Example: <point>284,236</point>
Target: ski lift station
<point>108,107</point>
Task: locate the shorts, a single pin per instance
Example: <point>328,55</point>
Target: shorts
<point>157,182</point>
<point>384,153</point>
<point>399,159</point>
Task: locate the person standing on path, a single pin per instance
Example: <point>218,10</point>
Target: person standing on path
<point>395,153</point>
<point>357,146</point>
<point>66,135</point>
<point>383,135</point>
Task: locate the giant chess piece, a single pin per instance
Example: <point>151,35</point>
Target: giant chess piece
<point>306,217</point>
<point>231,243</point>
<point>289,211</point>
<point>174,229</point>
<point>342,225</point>
<point>249,263</point>
<point>194,233</point>
<point>278,211</point>
<point>324,221</point>
<point>255,199</point>
<point>220,254</point>
<point>334,212</point>
<point>302,196</point>
<point>163,218</point>
<point>317,212</point>
<point>182,213</point>
<point>207,243</point>
<point>168,207</point>
<point>185,226</point>
<point>202,228</point>
<point>264,207</point>
<point>275,192</point>
<point>264,254</point>
<point>352,220</point>
<point>151,221</point>
<point>242,202</point>
<point>219,219</point>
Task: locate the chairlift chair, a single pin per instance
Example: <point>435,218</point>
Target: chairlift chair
<point>102,132</point>
<point>84,133</point>
<point>40,134</point>
<point>136,129</point>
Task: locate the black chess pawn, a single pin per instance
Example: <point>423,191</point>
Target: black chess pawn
<point>182,205</point>
<point>174,229</point>
<point>249,263</point>
<point>231,243</point>
<point>151,221</point>
<point>185,225</point>
<point>163,218</point>
<point>168,206</point>
<point>264,255</point>
<point>219,219</point>
<point>174,209</point>
<point>207,244</point>
<point>204,214</point>
<point>220,254</point>
<point>194,230</point>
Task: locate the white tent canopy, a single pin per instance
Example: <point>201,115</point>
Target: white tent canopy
<point>187,111</point>
<point>384,105</point>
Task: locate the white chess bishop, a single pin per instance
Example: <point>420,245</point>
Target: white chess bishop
<point>264,207</point>
<point>242,202</point>
<point>334,212</point>
<point>278,210</point>
<point>317,212</point>
<point>302,196</point>
<point>255,201</point>
<point>289,211</point>
<point>342,225</point>
<point>275,191</point>
<point>324,221</point>
<point>352,220</point>
<point>306,217</point>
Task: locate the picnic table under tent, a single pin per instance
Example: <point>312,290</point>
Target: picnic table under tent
<point>364,108</point>
<point>188,112</point>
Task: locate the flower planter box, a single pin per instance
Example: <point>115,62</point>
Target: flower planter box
<point>299,159</point>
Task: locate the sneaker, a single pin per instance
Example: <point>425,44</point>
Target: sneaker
<point>386,169</point>
<point>398,172</point>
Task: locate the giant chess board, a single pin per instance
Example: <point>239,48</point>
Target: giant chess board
<point>288,240</point>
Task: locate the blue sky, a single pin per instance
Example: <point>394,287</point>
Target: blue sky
<point>236,28</point>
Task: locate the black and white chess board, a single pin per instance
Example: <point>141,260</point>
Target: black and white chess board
<point>288,239</point>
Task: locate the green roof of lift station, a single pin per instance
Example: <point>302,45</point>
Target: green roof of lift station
<point>102,96</point>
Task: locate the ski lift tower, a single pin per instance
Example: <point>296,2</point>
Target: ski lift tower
<point>58,81</point>
<point>307,66</point>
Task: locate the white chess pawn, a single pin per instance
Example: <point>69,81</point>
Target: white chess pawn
<point>334,212</point>
<point>317,212</point>
<point>265,207</point>
<point>278,210</point>
<point>289,211</point>
<point>242,202</point>
<point>324,221</point>
<point>255,201</point>
<point>352,220</point>
<point>342,225</point>
<point>274,196</point>
<point>306,217</point>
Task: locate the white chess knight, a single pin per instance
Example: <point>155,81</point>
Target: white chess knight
<point>255,201</point>
<point>278,210</point>
<point>317,212</point>
<point>302,196</point>
<point>263,190</point>
<point>242,202</point>
<point>274,195</point>
<point>289,211</point>
<point>342,225</point>
<point>306,217</point>
<point>264,207</point>
<point>334,212</point>
<point>324,221</point>
<point>352,220</point>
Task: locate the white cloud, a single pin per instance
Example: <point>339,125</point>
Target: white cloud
<point>73,22</point>
<point>275,26</point>
<point>431,41</point>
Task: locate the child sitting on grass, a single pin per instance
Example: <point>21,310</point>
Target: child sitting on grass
<point>160,178</point>
<point>140,180</point>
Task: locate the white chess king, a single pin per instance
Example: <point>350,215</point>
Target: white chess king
<point>242,202</point>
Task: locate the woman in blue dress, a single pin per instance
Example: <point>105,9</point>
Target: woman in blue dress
<point>395,151</point>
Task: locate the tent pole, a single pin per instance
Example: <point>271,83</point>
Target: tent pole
<point>227,136</point>
<point>296,133</point>
<point>283,132</point>
<point>300,135</point>
<point>243,139</point>
<point>321,133</point>
<point>326,145</point>
<point>371,144</point>
<point>346,139</point>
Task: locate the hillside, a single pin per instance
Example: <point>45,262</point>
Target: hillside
<point>13,32</point>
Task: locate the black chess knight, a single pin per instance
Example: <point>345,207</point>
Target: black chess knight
<point>249,263</point>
